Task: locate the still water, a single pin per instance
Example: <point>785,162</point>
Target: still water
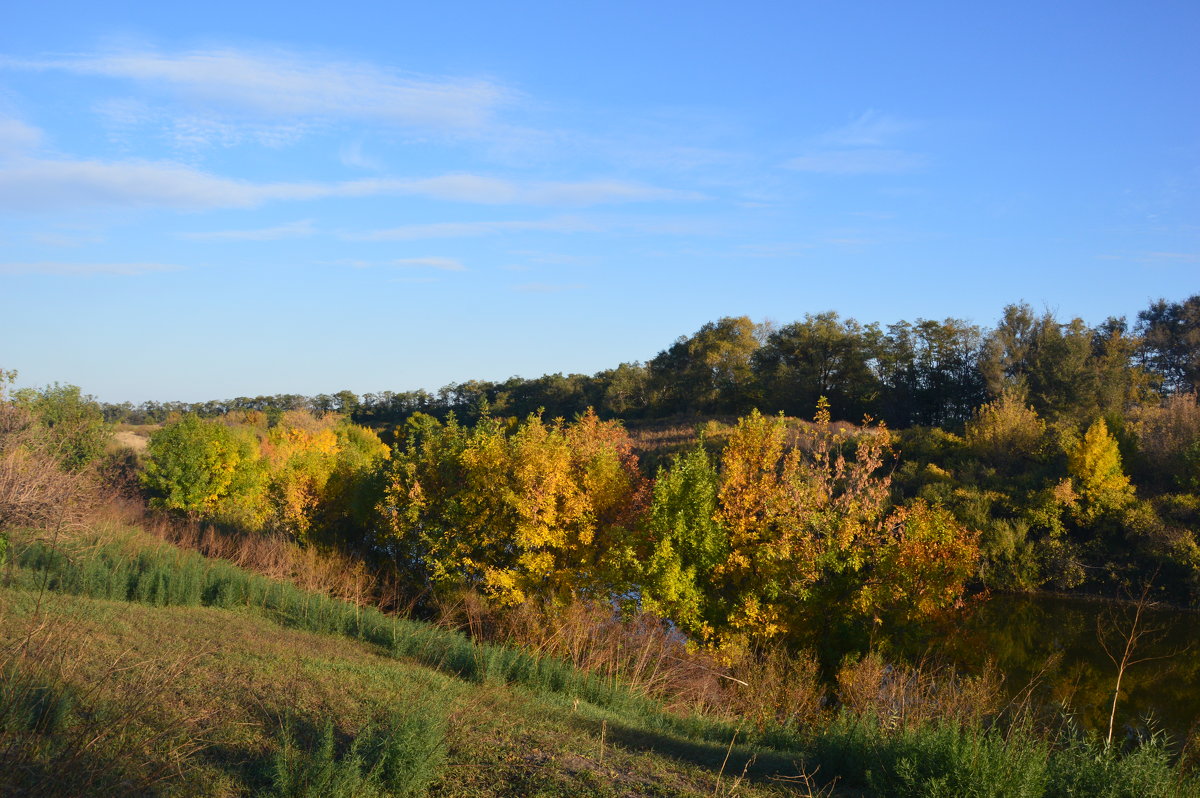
<point>1061,639</point>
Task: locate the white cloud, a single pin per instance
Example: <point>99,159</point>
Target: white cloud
<point>67,268</point>
<point>546,288</point>
<point>858,162</point>
<point>65,239</point>
<point>496,191</point>
<point>17,137</point>
<point>444,264</point>
<point>55,185</point>
<point>299,229</point>
<point>411,232</point>
<point>281,84</point>
<point>352,155</point>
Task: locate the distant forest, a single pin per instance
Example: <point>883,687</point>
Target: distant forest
<point>922,373</point>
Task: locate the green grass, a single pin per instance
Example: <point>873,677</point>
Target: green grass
<point>133,667</point>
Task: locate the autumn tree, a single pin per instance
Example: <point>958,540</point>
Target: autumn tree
<point>513,509</point>
<point>1006,430</point>
<point>1168,437</point>
<point>1095,466</point>
<point>796,516</point>
<point>922,565</point>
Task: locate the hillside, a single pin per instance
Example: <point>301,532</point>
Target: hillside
<point>133,698</point>
<point>133,667</point>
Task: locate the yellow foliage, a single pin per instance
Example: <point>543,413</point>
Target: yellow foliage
<point>1095,465</point>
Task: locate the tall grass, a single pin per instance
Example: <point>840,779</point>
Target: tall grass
<point>161,575</point>
<point>401,756</point>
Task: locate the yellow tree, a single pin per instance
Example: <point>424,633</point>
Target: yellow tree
<point>1094,464</point>
<point>796,515</point>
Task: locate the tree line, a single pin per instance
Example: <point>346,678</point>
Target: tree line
<point>926,373</point>
<point>1034,455</point>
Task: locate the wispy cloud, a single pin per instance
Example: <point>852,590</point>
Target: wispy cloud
<point>857,162</point>
<point>17,137</point>
<point>284,84</point>
<point>55,185</point>
<point>352,155</point>
<point>1161,258</point>
<point>65,239</point>
<point>866,146</point>
<point>546,288</point>
<point>444,264</point>
<point>69,268</point>
<point>872,129</point>
<point>299,229</point>
<point>411,232</point>
<point>495,191</point>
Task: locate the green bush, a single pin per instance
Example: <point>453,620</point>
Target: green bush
<point>401,757</point>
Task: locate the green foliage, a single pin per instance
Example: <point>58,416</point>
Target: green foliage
<point>1085,766</point>
<point>74,423</point>
<point>191,465</point>
<point>685,544</point>
<point>821,356</point>
<point>1171,342</point>
<point>710,371</point>
<point>401,756</point>
<point>946,761</point>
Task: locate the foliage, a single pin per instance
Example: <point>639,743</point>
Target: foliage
<point>401,756</point>
<point>1170,344</point>
<point>1168,437</point>
<point>923,564</point>
<point>685,542</point>
<point>1095,465</point>
<point>73,423</point>
<point>1006,430</point>
<point>509,507</point>
<point>190,465</point>
<point>303,475</point>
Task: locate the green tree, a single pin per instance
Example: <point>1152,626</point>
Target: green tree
<point>74,423</point>
<point>709,372</point>
<point>191,465</point>
<point>819,356</point>
<point>1171,343</point>
<point>685,543</point>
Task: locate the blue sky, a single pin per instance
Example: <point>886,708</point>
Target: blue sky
<point>229,199</point>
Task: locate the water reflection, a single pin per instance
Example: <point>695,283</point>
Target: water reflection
<point>1024,636</point>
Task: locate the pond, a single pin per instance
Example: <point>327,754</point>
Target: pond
<point>1060,638</point>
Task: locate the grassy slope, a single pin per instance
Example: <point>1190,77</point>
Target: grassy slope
<point>145,669</point>
<point>196,697</point>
